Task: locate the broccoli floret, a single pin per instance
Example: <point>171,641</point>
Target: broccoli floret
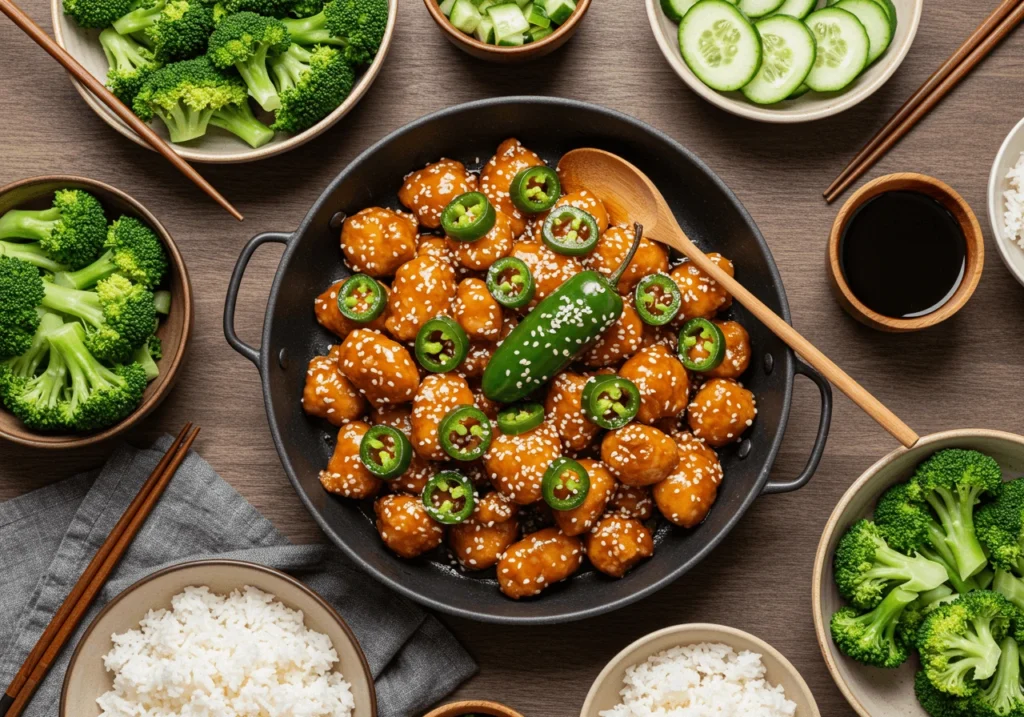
<point>914,615</point>
<point>147,355</point>
<point>32,253</point>
<point>244,41</point>
<point>240,121</point>
<point>952,482</point>
<point>143,15</point>
<point>866,567</point>
<point>130,64</point>
<point>133,250</point>
<point>37,398</point>
<point>96,13</point>
<point>181,31</point>
<point>1009,586</point>
<point>934,702</point>
<point>311,85</point>
<point>307,8</point>
<point>15,371</point>
<point>1003,696</point>
<point>959,641</point>
<point>21,290</point>
<point>357,26</point>
<point>871,637</point>
<point>72,231</point>
<point>269,8</point>
<point>1000,527</point>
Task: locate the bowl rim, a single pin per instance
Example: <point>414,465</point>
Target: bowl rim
<point>683,629</point>
<point>766,114</point>
<point>248,154</point>
<point>62,441</point>
<point>482,707</point>
<point>995,177</point>
<point>518,52</point>
<point>256,567</point>
<point>822,556</point>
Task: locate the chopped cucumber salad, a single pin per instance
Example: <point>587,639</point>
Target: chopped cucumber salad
<point>776,50</point>
<point>508,23</point>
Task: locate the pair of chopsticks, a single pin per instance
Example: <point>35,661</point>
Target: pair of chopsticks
<point>1003,20</point>
<point>30,28</point>
<point>70,614</point>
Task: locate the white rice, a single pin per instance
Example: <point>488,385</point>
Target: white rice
<point>216,656</point>
<point>1013,216</point>
<point>705,680</point>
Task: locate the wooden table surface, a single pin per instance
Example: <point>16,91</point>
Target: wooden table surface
<point>961,374</point>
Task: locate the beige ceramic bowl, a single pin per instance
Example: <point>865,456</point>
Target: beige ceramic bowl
<point>1011,254</point>
<point>86,678</point>
<point>872,691</point>
<point>811,106</point>
<point>604,693</point>
<point>217,146</point>
<point>473,707</point>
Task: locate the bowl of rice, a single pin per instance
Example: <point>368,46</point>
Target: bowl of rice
<point>1006,201</point>
<point>699,669</point>
<point>219,637</point>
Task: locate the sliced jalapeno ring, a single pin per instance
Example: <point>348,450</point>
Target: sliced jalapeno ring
<point>565,484</point>
<point>361,298</point>
<point>448,497</point>
<point>468,217</point>
<point>610,401</point>
<point>657,299</point>
<point>385,451</point>
<point>570,231</point>
<point>441,345</point>
<point>701,345</point>
<point>520,418</point>
<point>465,433</point>
<point>510,282</point>
<point>535,189</point>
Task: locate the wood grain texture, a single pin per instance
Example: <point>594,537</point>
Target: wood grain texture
<point>962,373</point>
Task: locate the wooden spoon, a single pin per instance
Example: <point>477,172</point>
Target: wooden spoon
<point>630,195</point>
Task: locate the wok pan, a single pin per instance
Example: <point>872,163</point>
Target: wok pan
<point>709,213</point>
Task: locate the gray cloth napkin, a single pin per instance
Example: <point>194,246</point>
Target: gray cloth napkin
<point>48,537</point>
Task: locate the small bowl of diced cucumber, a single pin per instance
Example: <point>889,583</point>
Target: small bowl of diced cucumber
<point>508,30</point>
<point>785,60</point>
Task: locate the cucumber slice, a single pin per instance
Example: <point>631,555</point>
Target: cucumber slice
<point>538,33</point>
<point>484,4</point>
<point>485,31</point>
<point>522,3</point>
<point>537,17</point>
<point>788,51</point>
<point>675,9</point>
<point>559,10</point>
<point>509,23</point>
<point>800,92</point>
<point>875,21</point>
<point>719,45</point>
<point>843,46</point>
<point>465,16</point>
<point>513,40</point>
<point>887,5</point>
<point>446,7</point>
<point>759,8</point>
<point>797,8</point>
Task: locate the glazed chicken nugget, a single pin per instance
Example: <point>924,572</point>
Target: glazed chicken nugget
<point>538,561</point>
<point>721,411</point>
<point>662,381</point>
<point>477,312</point>
<point>737,351</point>
<point>330,317</point>
<point>423,288</point>
<point>376,241</point>
<point>618,342</point>
<point>651,257</point>
<point>549,269</point>
<point>632,502</point>
<point>405,527</point>
<point>497,175</point>
<point>588,202</point>
<point>426,192</point>
<point>639,455</point>
<point>617,544</point>
<point>489,407</point>
<point>480,254</point>
<point>476,360</point>
<point>686,496</point>
<point>479,542</point>
<point>381,369</point>
<point>329,395</point>
<point>583,517</point>
<point>346,475</point>
<point>564,408</point>
<point>438,394</point>
<point>703,297</point>
<point>516,464</point>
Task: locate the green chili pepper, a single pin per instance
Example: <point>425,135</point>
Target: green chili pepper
<point>448,497</point>
<point>565,484</point>
<point>535,189</point>
<point>657,299</point>
<point>465,433</point>
<point>468,217</point>
<point>441,345</point>
<point>385,451</point>
<point>570,231</point>
<point>610,401</point>
<point>510,282</point>
<point>361,299</point>
<point>704,335</point>
<point>520,418</point>
<point>559,329</point>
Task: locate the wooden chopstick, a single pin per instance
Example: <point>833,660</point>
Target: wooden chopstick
<point>65,622</point>
<point>81,74</point>
<point>990,33</point>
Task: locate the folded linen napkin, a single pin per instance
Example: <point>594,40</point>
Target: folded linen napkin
<point>48,537</point>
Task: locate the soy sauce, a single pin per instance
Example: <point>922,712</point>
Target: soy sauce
<point>903,254</point>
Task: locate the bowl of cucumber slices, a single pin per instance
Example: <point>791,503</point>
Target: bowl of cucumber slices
<point>785,60</point>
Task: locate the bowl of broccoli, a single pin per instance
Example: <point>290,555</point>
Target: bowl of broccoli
<point>95,312</point>
<point>228,81</point>
<point>918,584</point>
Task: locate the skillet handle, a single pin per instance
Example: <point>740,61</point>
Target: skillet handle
<point>235,284</point>
<point>818,449</point>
